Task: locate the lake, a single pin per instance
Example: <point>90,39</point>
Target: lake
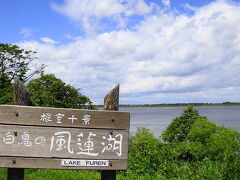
<point>158,118</point>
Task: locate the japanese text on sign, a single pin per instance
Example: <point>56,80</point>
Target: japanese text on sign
<point>80,144</point>
<point>59,117</point>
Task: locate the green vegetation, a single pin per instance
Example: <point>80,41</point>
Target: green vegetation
<point>49,91</point>
<point>190,148</point>
<point>178,130</point>
<point>14,62</point>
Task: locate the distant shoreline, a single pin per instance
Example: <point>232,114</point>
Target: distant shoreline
<point>178,104</point>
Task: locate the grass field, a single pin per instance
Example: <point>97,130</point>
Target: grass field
<point>43,174</point>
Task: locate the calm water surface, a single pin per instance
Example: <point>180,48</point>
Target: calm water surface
<point>158,118</point>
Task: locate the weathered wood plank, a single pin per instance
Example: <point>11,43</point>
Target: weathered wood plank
<point>59,117</point>
<point>48,142</point>
<point>45,163</point>
<point>20,93</point>
<point>20,97</point>
<point>111,100</point>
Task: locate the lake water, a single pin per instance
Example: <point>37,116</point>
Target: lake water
<point>158,118</point>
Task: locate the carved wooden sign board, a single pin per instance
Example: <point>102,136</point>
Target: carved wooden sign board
<point>58,138</point>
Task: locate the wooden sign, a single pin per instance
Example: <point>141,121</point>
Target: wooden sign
<point>34,137</point>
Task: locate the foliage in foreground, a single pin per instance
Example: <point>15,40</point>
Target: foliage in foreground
<point>191,148</point>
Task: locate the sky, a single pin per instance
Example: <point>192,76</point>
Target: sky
<point>159,51</point>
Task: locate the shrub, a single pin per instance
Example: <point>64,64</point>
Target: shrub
<point>196,148</point>
<point>221,145</point>
<point>143,153</point>
<point>179,128</point>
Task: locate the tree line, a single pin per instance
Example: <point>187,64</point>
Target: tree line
<point>46,90</point>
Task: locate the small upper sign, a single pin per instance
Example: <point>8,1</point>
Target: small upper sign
<point>59,117</point>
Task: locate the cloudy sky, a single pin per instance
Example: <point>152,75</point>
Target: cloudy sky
<point>159,51</point>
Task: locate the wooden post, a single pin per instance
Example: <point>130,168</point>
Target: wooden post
<point>20,97</point>
<point>111,102</point>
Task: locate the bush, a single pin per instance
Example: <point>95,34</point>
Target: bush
<point>219,142</point>
<point>193,148</point>
<point>144,153</point>
<point>179,128</point>
<point>221,145</point>
<point>196,148</point>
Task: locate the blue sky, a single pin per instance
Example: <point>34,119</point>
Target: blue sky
<point>159,51</point>
<point>40,18</point>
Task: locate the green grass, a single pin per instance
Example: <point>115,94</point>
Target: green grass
<point>44,174</point>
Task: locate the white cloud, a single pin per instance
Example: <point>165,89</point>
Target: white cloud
<point>190,7</point>
<point>167,58</point>
<point>166,3</point>
<point>25,32</point>
<point>48,40</point>
<point>76,9</point>
<point>90,13</point>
